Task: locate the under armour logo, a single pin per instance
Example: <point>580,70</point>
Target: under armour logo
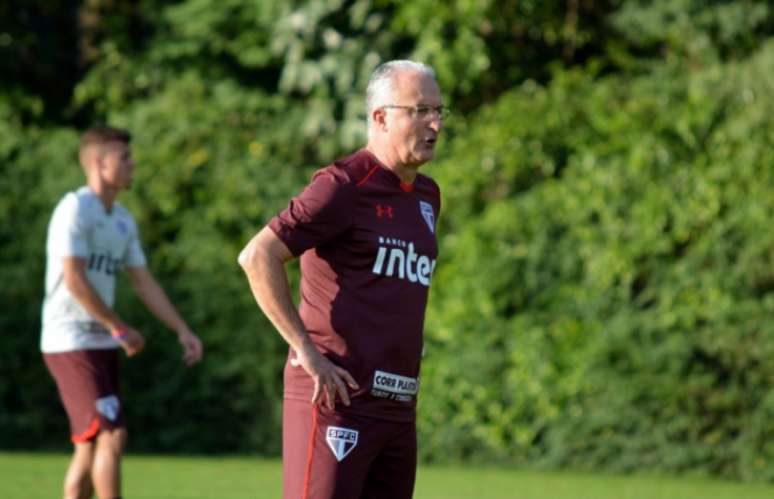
<point>384,211</point>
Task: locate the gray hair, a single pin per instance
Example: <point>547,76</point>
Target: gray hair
<point>382,83</point>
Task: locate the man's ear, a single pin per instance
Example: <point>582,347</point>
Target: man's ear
<point>98,162</point>
<point>88,157</point>
<point>379,118</point>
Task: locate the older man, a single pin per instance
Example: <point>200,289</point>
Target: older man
<point>365,231</point>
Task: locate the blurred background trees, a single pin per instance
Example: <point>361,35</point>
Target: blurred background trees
<point>605,292</point>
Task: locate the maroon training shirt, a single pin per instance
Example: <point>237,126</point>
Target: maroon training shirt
<point>368,249</point>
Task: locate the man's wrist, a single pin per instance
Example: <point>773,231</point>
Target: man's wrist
<point>307,347</point>
<point>120,332</point>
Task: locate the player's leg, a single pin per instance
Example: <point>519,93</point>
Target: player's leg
<point>87,382</point>
<point>77,392</point>
<point>77,484</point>
<point>393,472</point>
<point>106,468</point>
<point>325,455</point>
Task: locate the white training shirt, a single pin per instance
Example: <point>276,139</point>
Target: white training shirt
<point>81,227</point>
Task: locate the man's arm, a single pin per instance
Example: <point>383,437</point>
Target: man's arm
<point>74,272</point>
<point>154,297</point>
<point>263,260</point>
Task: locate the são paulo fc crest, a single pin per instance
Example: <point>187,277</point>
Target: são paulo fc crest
<point>427,213</point>
<point>341,441</point>
<point>108,407</point>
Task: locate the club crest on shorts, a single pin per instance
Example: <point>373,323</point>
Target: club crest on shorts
<point>341,441</point>
<point>427,213</point>
<point>108,407</point>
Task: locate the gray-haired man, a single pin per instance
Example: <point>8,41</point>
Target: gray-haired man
<point>364,229</point>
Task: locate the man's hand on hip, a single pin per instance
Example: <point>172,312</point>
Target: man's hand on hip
<point>330,380</point>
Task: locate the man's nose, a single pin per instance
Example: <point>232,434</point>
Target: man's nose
<point>436,123</point>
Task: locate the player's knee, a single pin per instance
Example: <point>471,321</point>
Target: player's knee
<point>114,439</point>
<point>120,436</point>
<point>84,452</point>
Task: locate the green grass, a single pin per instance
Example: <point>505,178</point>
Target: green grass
<point>38,476</point>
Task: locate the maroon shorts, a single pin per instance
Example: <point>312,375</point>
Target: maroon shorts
<point>88,386</point>
<point>329,455</point>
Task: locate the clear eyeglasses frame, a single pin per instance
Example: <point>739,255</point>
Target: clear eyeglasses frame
<point>423,113</point>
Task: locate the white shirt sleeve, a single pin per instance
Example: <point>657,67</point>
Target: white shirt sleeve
<point>134,256</point>
<point>69,229</point>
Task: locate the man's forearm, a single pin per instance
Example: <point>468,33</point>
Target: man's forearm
<point>153,296</point>
<point>87,296</point>
<point>156,300</point>
<point>264,263</point>
<point>269,284</point>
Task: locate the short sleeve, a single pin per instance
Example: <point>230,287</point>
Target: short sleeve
<point>134,256</point>
<point>323,210</point>
<point>69,229</point>
<point>437,200</point>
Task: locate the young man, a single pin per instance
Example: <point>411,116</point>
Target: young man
<point>365,231</point>
<point>90,238</point>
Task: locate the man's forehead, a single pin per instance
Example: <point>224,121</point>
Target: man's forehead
<point>114,146</point>
<point>416,85</point>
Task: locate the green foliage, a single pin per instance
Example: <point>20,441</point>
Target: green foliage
<point>604,291</point>
<point>481,48</point>
<point>696,29</point>
<point>617,281</point>
<point>34,166</point>
<point>38,55</point>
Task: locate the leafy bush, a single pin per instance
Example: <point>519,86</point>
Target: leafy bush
<point>608,306</point>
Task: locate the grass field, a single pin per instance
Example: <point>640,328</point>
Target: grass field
<point>38,476</point>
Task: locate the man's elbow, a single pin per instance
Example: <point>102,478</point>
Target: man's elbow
<point>142,281</point>
<point>264,251</point>
<point>252,256</point>
<point>244,257</point>
<point>73,281</point>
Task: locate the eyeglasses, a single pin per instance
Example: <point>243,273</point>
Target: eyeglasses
<point>423,113</point>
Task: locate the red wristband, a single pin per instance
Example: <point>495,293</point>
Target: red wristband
<point>120,333</point>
